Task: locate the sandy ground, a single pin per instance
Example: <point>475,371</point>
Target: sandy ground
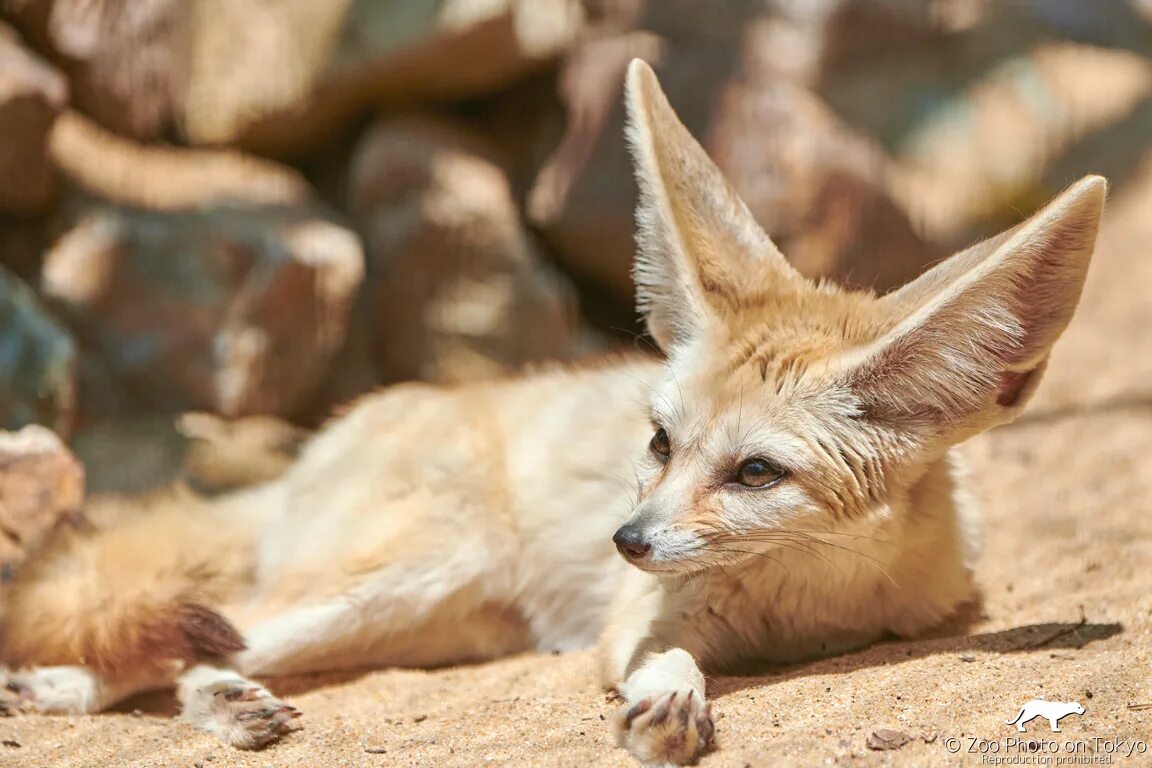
<point>1066,573</point>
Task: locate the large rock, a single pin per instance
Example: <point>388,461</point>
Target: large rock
<point>140,453</point>
<point>225,455</point>
<point>37,361</point>
<point>31,96</point>
<point>338,58</point>
<point>41,486</point>
<point>126,60</point>
<point>456,290</point>
<point>202,279</point>
<point>280,75</point>
<point>1015,137</point>
<point>819,189</point>
<point>156,177</point>
<point>235,309</point>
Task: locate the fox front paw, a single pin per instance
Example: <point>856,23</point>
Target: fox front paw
<point>241,713</point>
<point>672,728</point>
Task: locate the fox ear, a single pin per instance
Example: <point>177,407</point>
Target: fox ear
<point>700,252</point>
<point>969,339</point>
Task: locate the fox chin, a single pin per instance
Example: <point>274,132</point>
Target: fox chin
<point>780,486</point>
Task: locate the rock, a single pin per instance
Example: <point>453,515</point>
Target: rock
<point>140,453</point>
<point>37,361</point>
<point>280,76</point>
<point>235,308</point>
<point>179,266</point>
<point>200,279</point>
<point>1009,141</point>
<point>886,738</point>
<point>203,279</point>
<point>346,56</point>
<point>225,455</point>
<point>126,60</point>
<point>41,486</point>
<point>31,96</point>
<point>114,169</point>
<point>819,189</point>
<point>128,455</point>
<point>22,245</point>
<point>456,289</point>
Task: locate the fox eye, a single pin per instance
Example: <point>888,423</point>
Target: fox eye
<point>759,473</point>
<point>660,444</point>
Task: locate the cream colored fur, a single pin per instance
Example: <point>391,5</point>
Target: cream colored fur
<point>430,526</point>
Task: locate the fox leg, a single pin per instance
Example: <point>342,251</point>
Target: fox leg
<point>665,717</point>
<point>71,690</point>
<point>419,603</point>
<point>237,711</point>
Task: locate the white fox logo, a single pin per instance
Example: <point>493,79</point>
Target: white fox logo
<point>1052,711</point>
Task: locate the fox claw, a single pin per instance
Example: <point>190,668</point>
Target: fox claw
<point>671,728</point>
<point>242,714</point>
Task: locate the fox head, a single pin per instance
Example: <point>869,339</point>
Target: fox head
<point>788,404</point>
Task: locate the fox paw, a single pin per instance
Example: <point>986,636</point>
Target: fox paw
<point>671,728</point>
<point>53,690</point>
<point>240,713</point>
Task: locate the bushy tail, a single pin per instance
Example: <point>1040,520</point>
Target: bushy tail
<point>133,596</point>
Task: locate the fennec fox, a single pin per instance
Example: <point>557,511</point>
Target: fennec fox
<point>780,488</point>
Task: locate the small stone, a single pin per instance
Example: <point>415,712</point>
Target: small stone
<point>886,738</point>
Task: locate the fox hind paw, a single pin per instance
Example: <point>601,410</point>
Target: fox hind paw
<point>672,728</point>
<point>241,713</point>
<point>51,690</point>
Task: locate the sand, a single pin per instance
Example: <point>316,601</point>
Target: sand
<point>1066,575</point>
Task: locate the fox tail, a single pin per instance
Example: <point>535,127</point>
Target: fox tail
<point>134,595</point>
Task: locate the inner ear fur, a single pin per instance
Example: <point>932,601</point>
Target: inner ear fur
<point>971,336</point>
<point>700,252</point>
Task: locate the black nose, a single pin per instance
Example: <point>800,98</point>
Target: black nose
<point>630,542</point>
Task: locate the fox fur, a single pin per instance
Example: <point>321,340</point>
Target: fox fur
<point>798,497</point>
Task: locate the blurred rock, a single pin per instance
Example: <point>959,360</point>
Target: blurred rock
<point>128,455</point>
<point>37,361</point>
<point>166,178</point>
<point>819,190</point>
<point>31,95</point>
<point>456,290</point>
<point>225,455</point>
<point>279,76</point>
<point>142,453</point>
<point>201,279</point>
<point>987,154</point>
<point>126,60</point>
<point>22,244</point>
<point>41,487</point>
<point>235,309</point>
<point>331,60</point>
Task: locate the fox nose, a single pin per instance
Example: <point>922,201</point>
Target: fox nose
<point>630,543</point>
